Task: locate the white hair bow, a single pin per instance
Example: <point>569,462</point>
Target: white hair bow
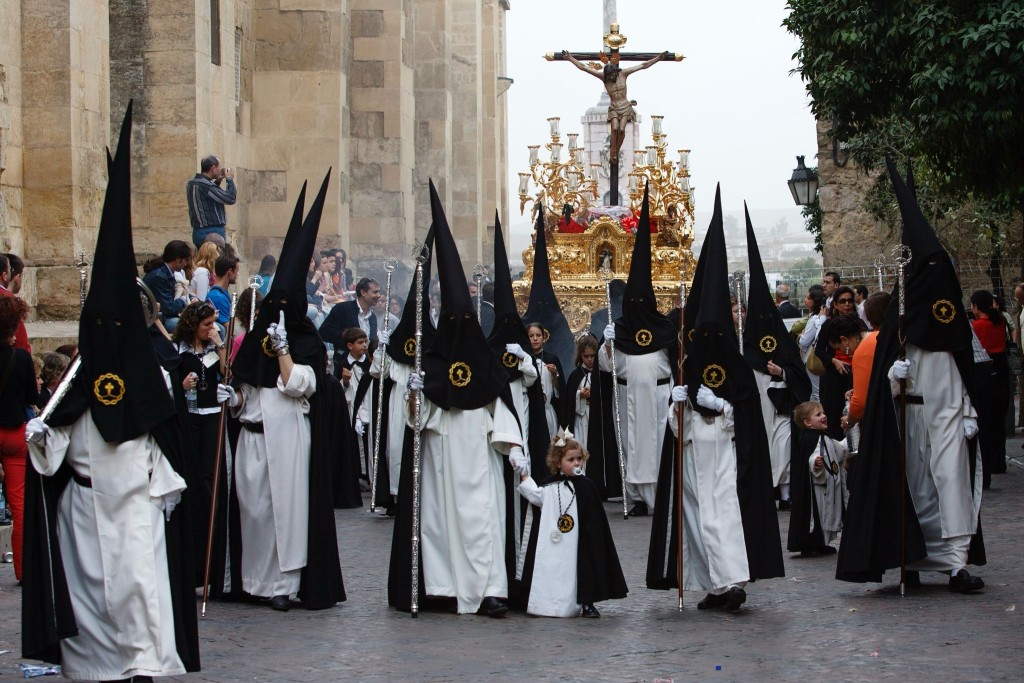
<point>562,435</point>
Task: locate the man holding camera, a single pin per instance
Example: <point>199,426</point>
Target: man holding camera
<point>206,199</point>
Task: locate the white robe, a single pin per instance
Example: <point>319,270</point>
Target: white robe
<point>114,553</point>
<point>272,481</point>
<point>714,547</point>
<point>938,470</point>
<point>646,410</point>
<point>553,588</point>
<point>582,421</point>
<point>829,486</point>
<point>550,391</point>
<point>462,501</point>
<point>399,374</point>
<point>521,398</point>
<point>778,428</point>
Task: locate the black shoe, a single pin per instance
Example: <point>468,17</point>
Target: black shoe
<point>389,510</point>
<point>639,509</point>
<point>590,612</point>
<point>280,603</point>
<point>817,552</point>
<point>963,582</point>
<point>912,579</point>
<point>734,597</point>
<point>493,607</point>
<point>785,505</point>
<point>712,601</point>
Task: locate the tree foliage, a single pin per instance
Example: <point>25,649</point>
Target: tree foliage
<point>941,81</point>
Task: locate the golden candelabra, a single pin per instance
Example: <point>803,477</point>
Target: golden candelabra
<point>558,182</point>
<point>668,184</point>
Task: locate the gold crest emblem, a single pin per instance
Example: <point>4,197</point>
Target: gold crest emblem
<point>689,335</point>
<point>644,337</point>
<point>268,348</point>
<point>768,343</point>
<point>409,347</point>
<point>944,311</point>
<point>566,523</point>
<point>108,389</point>
<point>545,335</point>
<point>714,376</point>
<point>459,374</point>
<point>835,468</point>
<point>509,360</point>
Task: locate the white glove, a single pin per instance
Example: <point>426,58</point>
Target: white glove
<point>278,336</point>
<point>383,336</point>
<point>360,427</point>
<point>415,382</point>
<point>707,398</point>
<point>169,502</point>
<point>679,394</point>
<point>35,431</point>
<point>609,333</point>
<point>227,394</point>
<point>516,350</point>
<point>520,463</point>
<point>901,369</point>
<point>970,427</point>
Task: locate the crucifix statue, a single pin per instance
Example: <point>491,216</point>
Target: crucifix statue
<point>620,111</point>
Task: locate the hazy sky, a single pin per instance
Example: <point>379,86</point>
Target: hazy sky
<point>732,100</point>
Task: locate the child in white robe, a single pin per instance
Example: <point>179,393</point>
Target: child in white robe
<point>827,464</point>
<point>570,561</point>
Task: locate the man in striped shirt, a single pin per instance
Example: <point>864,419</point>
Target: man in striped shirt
<point>206,199</point>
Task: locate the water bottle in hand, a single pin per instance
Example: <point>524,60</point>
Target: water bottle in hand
<point>192,397</point>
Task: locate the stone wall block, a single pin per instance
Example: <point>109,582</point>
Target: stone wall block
<point>268,186</point>
<point>367,23</point>
<point>367,124</point>
<point>377,150</point>
<point>369,74</point>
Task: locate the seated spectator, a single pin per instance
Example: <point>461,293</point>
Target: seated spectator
<point>346,281</point>
<point>226,270</point>
<point>268,265</point>
<point>54,365</point>
<point>202,270</point>
<point>160,278</point>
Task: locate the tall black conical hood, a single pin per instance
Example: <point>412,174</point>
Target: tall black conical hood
<point>765,337</point>
<point>713,356</point>
<point>460,369</point>
<point>402,347</point>
<point>935,316</point>
<point>508,326</point>
<point>120,381</point>
<point>641,328</point>
<point>543,307</point>
<point>256,363</point>
<point>716,233</point>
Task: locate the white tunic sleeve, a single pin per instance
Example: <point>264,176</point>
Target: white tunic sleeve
<point>506,431</point>
<point>529,490</point>
<point>301,382</point>
<point>529,371</point>
<point>48,456</point>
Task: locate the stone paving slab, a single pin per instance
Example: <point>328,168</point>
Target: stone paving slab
<point>805,627</point>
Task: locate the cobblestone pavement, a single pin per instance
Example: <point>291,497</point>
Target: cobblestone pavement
<point>806,626</point>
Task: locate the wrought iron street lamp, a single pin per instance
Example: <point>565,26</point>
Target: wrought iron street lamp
<point>803,184</point>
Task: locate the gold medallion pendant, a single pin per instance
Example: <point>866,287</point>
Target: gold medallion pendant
<point>566,523</point>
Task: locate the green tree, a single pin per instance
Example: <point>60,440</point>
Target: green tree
<point>800,276</point>
<point>937,80</point>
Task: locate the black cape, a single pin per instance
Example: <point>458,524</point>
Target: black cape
<point>400,564</point>
<point>47,616</point>
<point>345,468</point>
<point>804,508</point>
<point>753,488</point>
<point>598,572</point>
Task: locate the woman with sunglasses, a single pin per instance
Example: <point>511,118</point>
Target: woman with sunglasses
<point>202,352</point>
<point>838,378</point>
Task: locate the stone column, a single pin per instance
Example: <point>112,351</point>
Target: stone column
<point>381,131</point>
<point>465,214</point>
<point>431,58</point>
<point>65,114</point>
<point>11,225</point>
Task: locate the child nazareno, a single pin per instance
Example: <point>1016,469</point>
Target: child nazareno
<point>826,459</point>
<point>570,560</point>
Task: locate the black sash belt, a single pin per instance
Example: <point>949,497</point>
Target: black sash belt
<point>661,382</point>
<point>84,482</point>
<point>915,400</point>
<point>255,427</point>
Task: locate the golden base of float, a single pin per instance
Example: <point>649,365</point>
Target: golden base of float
<point>575,260</point>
